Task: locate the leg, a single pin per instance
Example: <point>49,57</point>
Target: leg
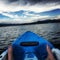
<point>50,54</point>
<point>10,55</point>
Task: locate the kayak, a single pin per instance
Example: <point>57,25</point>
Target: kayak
<point>30,46</point>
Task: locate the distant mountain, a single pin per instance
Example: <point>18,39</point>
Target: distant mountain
<point>38,22</point>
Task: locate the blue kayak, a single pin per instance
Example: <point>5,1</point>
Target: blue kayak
<point>30,46</point>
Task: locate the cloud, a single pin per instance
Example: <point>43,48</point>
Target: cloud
<point>27,18</point>
<point>9,15</point>
<point>9,7</point>
<point>57,17</point>
<point>12,0</point>
<point>32,2</point>
<point>25,15</point>
<point>34,16</point>
<point>16,6</point>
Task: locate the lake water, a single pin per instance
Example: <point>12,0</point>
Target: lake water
<point>50,31</point>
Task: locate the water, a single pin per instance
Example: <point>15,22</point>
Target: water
<point>50,31</point>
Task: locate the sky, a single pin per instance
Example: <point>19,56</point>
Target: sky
<point>26,11</point>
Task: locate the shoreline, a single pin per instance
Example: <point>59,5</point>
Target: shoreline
<point>33,23</point>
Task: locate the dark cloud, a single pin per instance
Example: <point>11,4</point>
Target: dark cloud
<point>32,2</point>
<point>22,2</point>
<point>42,1</point>
<point>12,0</point>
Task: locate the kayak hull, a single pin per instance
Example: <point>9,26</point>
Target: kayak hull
<point>33,47</point>
<point>23,51</point>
